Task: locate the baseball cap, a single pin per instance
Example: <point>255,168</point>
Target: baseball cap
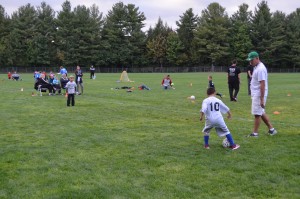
<point>252,55</point>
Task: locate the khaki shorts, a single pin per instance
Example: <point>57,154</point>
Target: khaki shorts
<point>256,107</point>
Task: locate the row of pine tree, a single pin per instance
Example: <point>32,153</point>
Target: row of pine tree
<point>41,36</point>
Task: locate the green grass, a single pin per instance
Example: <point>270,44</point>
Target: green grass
<point>145,144</point>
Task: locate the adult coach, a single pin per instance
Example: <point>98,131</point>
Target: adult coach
<point>233,80</point>
<point>259,93</point>
<point>63,71</point>
<point>92,72</point>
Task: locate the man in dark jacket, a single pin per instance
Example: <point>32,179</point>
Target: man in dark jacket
<point>233,80</point>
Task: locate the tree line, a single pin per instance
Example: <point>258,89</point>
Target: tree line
<point>41,36</point>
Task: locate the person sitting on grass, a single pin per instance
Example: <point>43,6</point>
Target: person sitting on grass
<point>213,108</point>
<point>15,76</point>
<point>78,80</point>
<point>166,83</point>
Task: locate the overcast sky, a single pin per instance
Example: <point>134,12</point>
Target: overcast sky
<point>168,10</point>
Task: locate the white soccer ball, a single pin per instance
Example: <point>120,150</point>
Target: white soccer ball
<point>225,143</point>
<point>192,97</point>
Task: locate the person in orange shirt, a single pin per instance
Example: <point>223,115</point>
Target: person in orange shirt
<point>9,75</point>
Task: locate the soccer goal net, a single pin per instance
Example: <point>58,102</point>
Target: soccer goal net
<point>124,77</point>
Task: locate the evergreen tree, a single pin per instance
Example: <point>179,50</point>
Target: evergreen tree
<point>240,40</point>
<point>157,49</point>
<point>175,49</point>
<point>96,25</point>
<point>40,37</point>
<point>4,38</point>
<point>278,47</point>
<point>43,49</point>
<point>78,39</point>
<point>65,36</point>
<point>82,35</point>
<point>23,36</point>
<point>261,31</point>
<point>186,27</point>
<point>157,42</point>
<point>123,37</point>
<point>293,37</point>
<point>211,36</point>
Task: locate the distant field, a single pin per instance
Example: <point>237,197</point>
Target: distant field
<point>145,144</point>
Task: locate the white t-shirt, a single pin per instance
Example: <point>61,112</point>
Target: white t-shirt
<point>213,108</point>
<point>166,82</point>
<point>71,87</point>
<point>259,74</point>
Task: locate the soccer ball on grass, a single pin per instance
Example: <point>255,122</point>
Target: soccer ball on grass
<point>225,143</point>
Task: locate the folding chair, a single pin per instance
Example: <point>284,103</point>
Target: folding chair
<point>41,90</point>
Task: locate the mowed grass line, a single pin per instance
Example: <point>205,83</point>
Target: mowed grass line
<point>144,144</point>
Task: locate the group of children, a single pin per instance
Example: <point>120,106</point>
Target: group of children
<point>52,83</point>
<point>14,76</point>
<point>213,108</point>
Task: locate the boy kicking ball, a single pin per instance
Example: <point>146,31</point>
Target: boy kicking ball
<point>213,108</point>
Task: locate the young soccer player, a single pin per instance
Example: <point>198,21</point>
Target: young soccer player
<point>213,108</point>
<point>166,83</point>
<point>212,85</point>
<point>71,89</point>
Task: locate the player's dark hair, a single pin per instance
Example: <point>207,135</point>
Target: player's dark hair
<point>234,61</point>
<point>210,91</point>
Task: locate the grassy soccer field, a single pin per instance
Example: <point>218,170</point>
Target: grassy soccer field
<point>145,144</point>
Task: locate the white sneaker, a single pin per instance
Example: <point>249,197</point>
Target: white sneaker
<point>273,132</point>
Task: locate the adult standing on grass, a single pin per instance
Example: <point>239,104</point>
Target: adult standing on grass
<point>249,76</point>
<point>233,80</point>
<point>78,80</point>
<point>92,71</point>
<point>259,93</point>
<point>63,71</point>
<point>15,76</point>
<point>213,108</point>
